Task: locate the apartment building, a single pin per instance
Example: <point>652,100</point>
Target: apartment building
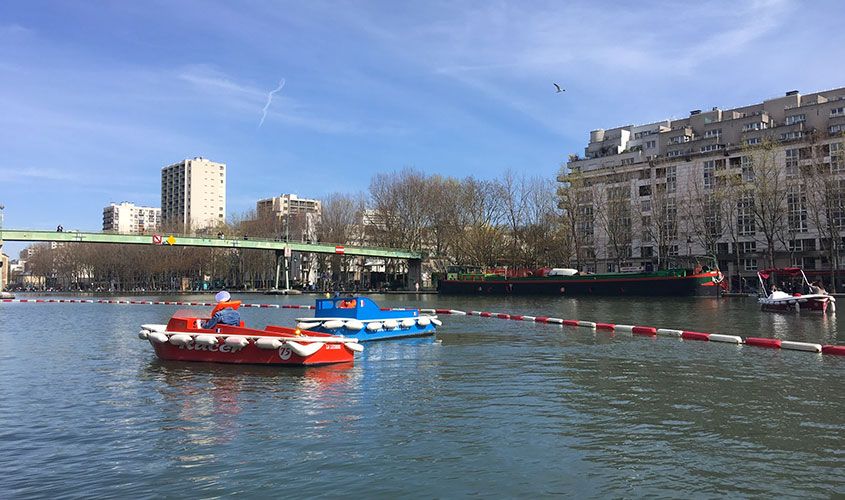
<point>644,195</point>
<point>127,218</point>
<point>284,204</point>
<point>300,215</point>
<point>193,195</point>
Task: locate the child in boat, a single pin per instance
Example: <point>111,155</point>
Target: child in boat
<point>225,312</point>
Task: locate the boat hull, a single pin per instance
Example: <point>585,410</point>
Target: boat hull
<point>699,285</point>
<point>362,319</point>
<point>183,339</point>
<point>365,335</point>
<point>250,354</point>
<point>789,305</point>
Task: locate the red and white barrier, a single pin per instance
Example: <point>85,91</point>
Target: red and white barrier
<point>668,332</point>
<point>638,330</point>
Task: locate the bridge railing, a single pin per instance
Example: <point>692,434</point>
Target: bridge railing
<point>232,241</point>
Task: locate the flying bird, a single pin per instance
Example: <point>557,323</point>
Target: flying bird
<point>269,100</point>
<point>559,90</point>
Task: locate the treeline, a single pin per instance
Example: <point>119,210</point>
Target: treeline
<point>513,221</point>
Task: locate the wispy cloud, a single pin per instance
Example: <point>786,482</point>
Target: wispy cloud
<point>37,174</point>
<point>269,100</point>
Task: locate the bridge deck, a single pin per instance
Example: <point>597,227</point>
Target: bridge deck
<point>193,241</point>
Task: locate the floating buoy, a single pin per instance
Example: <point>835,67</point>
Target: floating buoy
<point>304,350</point>
<point>408,322</point>
<point>731,339</point>
<point>267,343</point>
<point>332,324</point>
<point>208,340</point>
<point>669,332</point>
<point>423,321</point>
<point>762,342</point>
<point>308,326</point>
<point>644,330</point>
<point>354,324</point>
<point>158,337</point>
<point>354,346</point>
<point>236,341</point>
<point>180,339</point>
<point>391,324</point>
<point>375,325</point>
<point>838,350</point>
<point>800,346</point>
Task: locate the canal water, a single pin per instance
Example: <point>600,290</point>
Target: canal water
<point>495,408</point>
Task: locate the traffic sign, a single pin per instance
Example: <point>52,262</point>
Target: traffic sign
<point>157,239</point>
<point>339,249</point>
<point>171,240</point>
<point>288,252</point>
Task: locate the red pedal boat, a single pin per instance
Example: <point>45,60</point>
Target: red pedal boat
<point>182,339</point>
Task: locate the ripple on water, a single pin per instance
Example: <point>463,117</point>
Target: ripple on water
<point>500,408</point>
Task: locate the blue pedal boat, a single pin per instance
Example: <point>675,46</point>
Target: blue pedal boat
<point>363,319</point>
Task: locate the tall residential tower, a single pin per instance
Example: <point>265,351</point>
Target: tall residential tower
<point>193,195</point>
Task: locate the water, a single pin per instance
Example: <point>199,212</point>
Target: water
<point>499,408</point>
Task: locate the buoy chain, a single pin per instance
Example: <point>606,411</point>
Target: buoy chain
<point>668,332</point>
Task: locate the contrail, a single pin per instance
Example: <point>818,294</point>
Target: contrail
<point>269,100</point>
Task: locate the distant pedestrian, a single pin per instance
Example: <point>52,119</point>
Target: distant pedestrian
<point>417,286</point>
<point>59,229</point>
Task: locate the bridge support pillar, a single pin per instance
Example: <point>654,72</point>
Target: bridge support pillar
<point>414,274</point>
<point>280,254</point>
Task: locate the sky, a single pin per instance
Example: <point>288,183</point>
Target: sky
<point>96,97</point>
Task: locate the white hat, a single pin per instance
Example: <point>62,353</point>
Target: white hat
<point>222,296</point>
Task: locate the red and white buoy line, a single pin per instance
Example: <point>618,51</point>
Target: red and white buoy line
<point>151,302</point>
<point>652,331</point>
<point>636,330</point>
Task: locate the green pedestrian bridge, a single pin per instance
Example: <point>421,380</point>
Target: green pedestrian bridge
<point>166,239</point>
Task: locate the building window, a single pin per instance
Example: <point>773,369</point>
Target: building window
<point>753,141</point>
<point>646,252</point>
<point>673,154</point>
<point>645,222</point>
<point>835,129</point>
<point>650,144</point>
<point>749,264</point>
<point>747,246</point>
<point>791,136</point>
<point>712,147</point>
<point>709,169</point>
<point>793,119</point>
<point>671,179</point>
<point>716,132</point>
<point>747,166</point>
<point>837,112</point>
<point>755,126</point>
<point>837,156</point>
<point>745,215</point>
<point>792,162</point>
<point>645,190</point>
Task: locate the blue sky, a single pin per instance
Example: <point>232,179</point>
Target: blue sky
<point>95,97</point>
